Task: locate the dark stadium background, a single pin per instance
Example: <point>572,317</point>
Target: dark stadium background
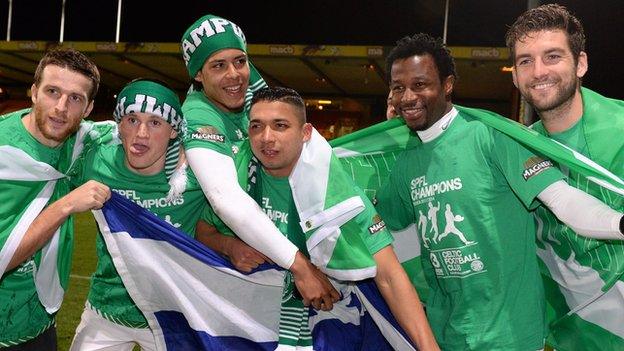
<point>471,23</point>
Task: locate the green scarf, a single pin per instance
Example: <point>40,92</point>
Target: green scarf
<point>549,148</point>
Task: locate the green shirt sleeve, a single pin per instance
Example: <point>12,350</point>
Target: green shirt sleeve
<point>394,202</point>
<point>210,217</point>
<point>376,237</point>
<point>206,130</point>
<point>526,173</point>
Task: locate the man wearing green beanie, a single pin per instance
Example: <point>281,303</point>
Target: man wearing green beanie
<point>149,119</point>
<point>215,54</point>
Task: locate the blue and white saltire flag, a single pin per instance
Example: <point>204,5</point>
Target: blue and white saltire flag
<point>194,299</point>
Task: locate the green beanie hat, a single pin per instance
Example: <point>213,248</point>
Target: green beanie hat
<point>206,36</point>
<point>147,96</point>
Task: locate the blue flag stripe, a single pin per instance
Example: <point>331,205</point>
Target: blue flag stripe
<point>143,224</point>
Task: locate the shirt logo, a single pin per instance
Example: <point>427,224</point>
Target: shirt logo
<point>208,133</point>
<point>535,165</point>
<point>26,268</point>
<point>239,134</point>
<point>451,253</point>
<point>149,203</point>
<point>378,224</point>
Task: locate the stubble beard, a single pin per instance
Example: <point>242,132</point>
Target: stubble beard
<point>561,101</point>
<point>60,138</point>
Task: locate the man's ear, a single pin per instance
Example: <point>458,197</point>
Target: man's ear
<point>198,76</point>
<point>89,108</point>
<point>513,76</point>
<point>307,131</point>
<point>33,93</point>
<point>448,85</point>
<point>582,65</point>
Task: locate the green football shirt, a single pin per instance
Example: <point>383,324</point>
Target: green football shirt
<point>211,128</point>
<point>469,192</point>
<point>588,252</point>
<point>274,196</point>
<point>576,268</point>
<point>106,164</point>
<point>278,204</point>
<point>22,316</point>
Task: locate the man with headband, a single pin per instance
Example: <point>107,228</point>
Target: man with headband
<point>149,121</point>
<point>214,52</point>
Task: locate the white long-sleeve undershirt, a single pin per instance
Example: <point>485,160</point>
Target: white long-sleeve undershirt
<point>582,212</point>
<point>216,174</point>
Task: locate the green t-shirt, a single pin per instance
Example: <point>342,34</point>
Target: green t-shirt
<point>469,192</point>
<point>278,204</point>
<point>598,254</point>
<point>591,266</point>
<point>274,196</point>
<point>22,316</point>
<point>211,128</point>
<point>573,137</point>
<point>105,164</point>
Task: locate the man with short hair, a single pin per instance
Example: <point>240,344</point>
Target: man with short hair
<point>486,293</point>
<point>36,149</point>
<point>149,118</point>
<point>215,54</point>
<point>284,144</point>
<point>547,46</point>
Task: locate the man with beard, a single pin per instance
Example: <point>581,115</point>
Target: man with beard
<point>548,50</point>
<point>36,148</point>
<point>486,292</point>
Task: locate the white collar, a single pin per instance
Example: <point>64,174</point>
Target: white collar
<point>438,127</point>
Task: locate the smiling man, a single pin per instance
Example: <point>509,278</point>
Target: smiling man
<point>36,148</point>
<point>149,120</point>
<point>215,54</point>
<point>548,50</point>
<point>486,293</point>
<point>288,152</point>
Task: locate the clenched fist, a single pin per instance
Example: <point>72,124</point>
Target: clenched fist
<point>90,196</point>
